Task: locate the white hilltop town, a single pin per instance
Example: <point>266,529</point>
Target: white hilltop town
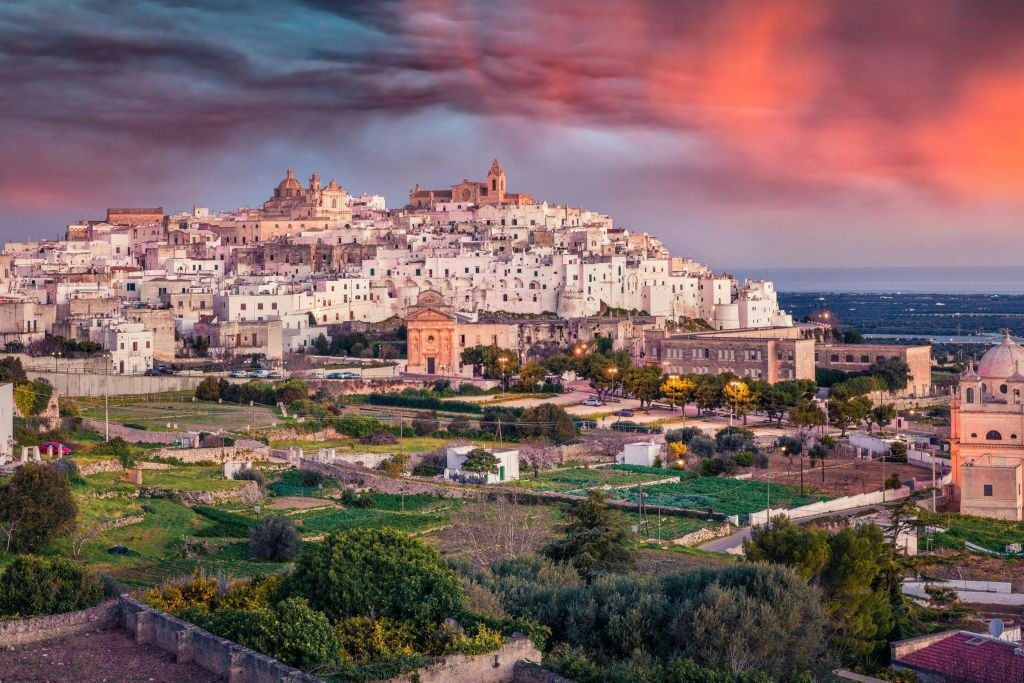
<point>145,284</point>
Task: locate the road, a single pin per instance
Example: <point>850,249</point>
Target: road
<point>728,544</point>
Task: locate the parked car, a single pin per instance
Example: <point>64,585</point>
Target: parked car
<point>274,374</point>
<point>238,374</point>
<point>152,372</point>
<point>593,401</point>
<point>58,447</point>
<point>585,424</point>
<point>623,412</point>
<point>259,374</point>
<point>627,426</point>
<point>164,369</point>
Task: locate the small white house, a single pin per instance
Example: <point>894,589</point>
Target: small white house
<point>639,453</point>
<point>508,465</point>
<point>870,444</point>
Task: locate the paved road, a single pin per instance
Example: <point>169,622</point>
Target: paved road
<point>730,543</point>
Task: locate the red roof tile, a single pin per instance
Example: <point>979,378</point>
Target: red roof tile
<point>969,658</point>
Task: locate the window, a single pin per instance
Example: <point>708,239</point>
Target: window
<point>988,489</point>
<point>1002,388</point>
<point>864,359</point>
<point>970,395</point>
<point>835,358</point>
<point>993,435</point>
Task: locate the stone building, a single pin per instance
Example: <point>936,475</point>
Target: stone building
<point>160,322</point>
<point>987,434</point>
<point>859,357</point>
<point>239,338</point>
<point>771,355</point>
<point>291,200</point>
<point>490,191</point>
<point>135,216</point>
<point>431,337</point>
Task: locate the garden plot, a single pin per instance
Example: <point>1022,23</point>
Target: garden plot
<point>726,496</point>
<point>991,534</point>
<point>578,480</point>
<point>668,527</point>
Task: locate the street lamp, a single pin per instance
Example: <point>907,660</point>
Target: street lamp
<point>612,371</point>
<point>503,361</point>
<point>732,405</point>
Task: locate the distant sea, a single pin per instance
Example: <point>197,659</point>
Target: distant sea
<point>891,280</point>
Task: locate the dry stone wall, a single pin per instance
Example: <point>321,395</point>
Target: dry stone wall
<point>218,455</point>
<point>493,667</point>
<point>48,627</point>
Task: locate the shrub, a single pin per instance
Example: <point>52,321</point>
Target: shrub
<point>684,435</point>
<point>376,571</point>
<point>250,474</point>
<point>350,498</point>
<point>357,425</point>
<point>712,467</point>
<point>364,640</point>
<point>423,425</point>
<point>380,438</point>
<point>274,538</point>
<point>701,446</point>
<point>31,586</point>
<point>744,458</point>
<point>38,504</point>
<point>312,478</point>
<point>898,452</point>
<point>423,401</point>
<point>290,632</point>
<point>66,467</point>
<point>893,482</point>
<point>208,389</point>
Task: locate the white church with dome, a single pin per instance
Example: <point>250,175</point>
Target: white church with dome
<point>987,434</point>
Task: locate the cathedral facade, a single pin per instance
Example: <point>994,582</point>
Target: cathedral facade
<point>474,192</point>
<point>295,202</point>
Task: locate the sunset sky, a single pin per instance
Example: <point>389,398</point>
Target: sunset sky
<point>774,133</point>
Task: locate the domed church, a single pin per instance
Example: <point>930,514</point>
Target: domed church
<point>987,434</point>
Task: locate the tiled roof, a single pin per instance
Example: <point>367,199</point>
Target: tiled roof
<point>971,658</point>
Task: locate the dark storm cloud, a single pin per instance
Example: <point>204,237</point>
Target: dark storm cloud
<point>789,103</point>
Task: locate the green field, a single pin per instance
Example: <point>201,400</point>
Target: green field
<point>580,479</point>
<point>670,527</point>
<point>726,496</point>
<point>180,477</point>
<point>993,534</point>
<point>188,415</point>
<point>340,519</point>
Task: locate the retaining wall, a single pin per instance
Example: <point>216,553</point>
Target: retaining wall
<point>189,643</point>
<point>834,505</point>
<point>221,454</point>
<point>51,626</point>
<point>493,667</point>
<point>528,672</point>
<point>130,434</point>
<point>100,384</point>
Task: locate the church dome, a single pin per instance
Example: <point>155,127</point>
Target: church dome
<point>289,183</point>
<point>1000,362</point>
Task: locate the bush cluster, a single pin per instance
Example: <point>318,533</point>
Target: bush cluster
<point>30,586</point>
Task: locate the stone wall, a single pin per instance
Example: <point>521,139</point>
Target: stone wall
<point>130,434</point>
<point>703,535</point>
<point>493,667</point>
<point>528,672</point>
<point>189,643</point>
<point>101,466</point>
<point>48,627</point>
<point>217,455</point>
<point>120,522</point>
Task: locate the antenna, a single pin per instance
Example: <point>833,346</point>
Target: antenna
<point>995,627</point>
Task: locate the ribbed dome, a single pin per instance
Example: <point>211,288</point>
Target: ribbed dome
<point>1000,362</point>
<point>289,183</point>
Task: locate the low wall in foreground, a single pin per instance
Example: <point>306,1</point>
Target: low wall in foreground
<point>189,643</point>
<point>51,626</point>
<point>834,505</point>
<point>493,667</point>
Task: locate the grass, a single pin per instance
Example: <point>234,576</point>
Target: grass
<point>672,527</point>
<point>580,479</point>
<point>325,521</point>
<point>726,496</point>
<point>182,477</point>
<point>993,534</point>
<point>198,416</point>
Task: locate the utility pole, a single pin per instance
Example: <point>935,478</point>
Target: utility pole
<point>801,473</point>
<point>106,404</point>
<point>883,477</point>
<point>934,492</point>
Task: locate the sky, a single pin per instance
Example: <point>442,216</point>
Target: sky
<point>742,133</point>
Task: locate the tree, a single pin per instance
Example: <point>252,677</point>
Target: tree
<point>790,446</point>
<point>531,374</point>
<point>678,391</point>
<point>783,542</point>
<point>898,452</point>
<point>321,345</point>
<point>806,416</point>
<point>852,336</point>
<point>893,373</point>
<point>503,530</point>
<point>549,421</point>
<point>377,573</point>
<point>678,451</point>
<point>557,364</point>
<point>643,383</point>
<point>480,461</point>
<point>595,539</point>
<point>274,538</point>
<point>844,412</point>
<point>11,370</point>
<point>37,505</point>
<point>208,389</point>
<point>739,397</point>
<point>538,456</point>
<point>708,394</point>
<point>881,415</point>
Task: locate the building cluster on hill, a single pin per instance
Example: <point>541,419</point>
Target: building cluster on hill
<point>142,283</point>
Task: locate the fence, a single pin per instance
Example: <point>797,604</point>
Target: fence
<point>835,505</point>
